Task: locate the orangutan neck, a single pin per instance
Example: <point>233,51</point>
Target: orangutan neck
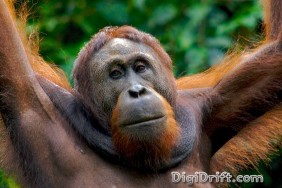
<point>99,139</point>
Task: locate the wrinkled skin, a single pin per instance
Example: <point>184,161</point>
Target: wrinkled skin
<point>125,124</point>
<point>123,64</point>
<point>134,92</point>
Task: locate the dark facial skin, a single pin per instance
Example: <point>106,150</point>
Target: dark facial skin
<point>126,69</point>
<point>135,93</point>
<point>55,140</point>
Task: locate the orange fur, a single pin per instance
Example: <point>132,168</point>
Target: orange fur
<point>159,148</point>
<point>51,72</point>
<point>210,77</point>
<point>258,139</point>
<point>272,19</point>
<point>31,44</point>
<point>252,144</point>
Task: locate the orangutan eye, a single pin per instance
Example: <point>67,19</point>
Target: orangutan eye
<point>116,73</point>
<point>140,67</point>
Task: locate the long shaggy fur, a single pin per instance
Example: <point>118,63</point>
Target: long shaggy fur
<point>8,158</point>
<point>261,137</point>
<point>252,144</point>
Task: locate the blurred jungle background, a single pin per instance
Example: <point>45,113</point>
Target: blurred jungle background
<point>197,34</point>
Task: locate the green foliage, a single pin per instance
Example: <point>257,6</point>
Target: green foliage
<point>3,182</point>
<point>271,174</point>
<point>6,182</point>
<point>195,33</point>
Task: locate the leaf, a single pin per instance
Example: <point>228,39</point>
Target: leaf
<point>197,13</point>
<point>162,15</point>
<point>114,12</point>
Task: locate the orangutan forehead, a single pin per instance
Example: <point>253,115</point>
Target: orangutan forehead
<point>122,47</point>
